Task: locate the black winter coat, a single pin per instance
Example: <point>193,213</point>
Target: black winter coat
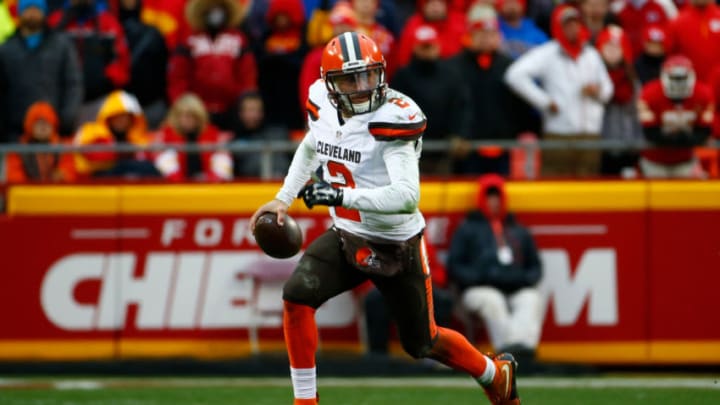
<point>51,73</point>
<point>472,260</point>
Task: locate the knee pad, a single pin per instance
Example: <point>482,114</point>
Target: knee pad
<point>303,287</point>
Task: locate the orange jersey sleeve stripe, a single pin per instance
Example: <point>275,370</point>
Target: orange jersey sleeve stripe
<point>385,131</point>
<point>312,109</point>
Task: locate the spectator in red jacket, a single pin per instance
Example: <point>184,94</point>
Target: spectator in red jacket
<point>696,34</point>
<point>676,112</point>
<point>448,23</point>
<point>214,61</point>
<point>188,123</point>
<point>620,119</point>
<point>636,15</point>
<point>102,48</point>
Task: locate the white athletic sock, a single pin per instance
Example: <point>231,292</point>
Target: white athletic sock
<point>303,381</point>
<point>486,378</point>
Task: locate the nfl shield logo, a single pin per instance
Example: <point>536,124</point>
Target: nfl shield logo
<point>338,134</point>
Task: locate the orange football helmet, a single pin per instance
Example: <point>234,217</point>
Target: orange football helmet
<point>353,69</point>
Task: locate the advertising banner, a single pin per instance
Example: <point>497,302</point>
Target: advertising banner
<point>628,279</point>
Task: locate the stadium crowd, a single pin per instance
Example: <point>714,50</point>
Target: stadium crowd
<point>218,72</point>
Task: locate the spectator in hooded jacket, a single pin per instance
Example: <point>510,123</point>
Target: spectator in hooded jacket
<point>495,264</point>
<point>443,95</point>
<point>450,24</point>
<point>571,103</point>
<point>519,32</point>
<point>148,61</point>
<point>494,111</point>
<point>279,62</point>
<point>655,45</point>
<point>695,33</point>
<point>216,46</point>
<point>620,121</point>
<point>41,124</point>
<point>37,64</point>
<point>188,123</point>
<point>102,47</point>
<point>120,121</point>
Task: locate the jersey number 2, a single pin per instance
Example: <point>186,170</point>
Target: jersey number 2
<point>336,169</point>
<point>399,102</point>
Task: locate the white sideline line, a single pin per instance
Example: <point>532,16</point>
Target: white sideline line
<point>78,385</point>
<point>568,229</point>
<point>712,383</point>
<point>110,233</point>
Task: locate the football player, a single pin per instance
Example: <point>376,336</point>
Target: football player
<point>366,139</point>
<point>676,112</point>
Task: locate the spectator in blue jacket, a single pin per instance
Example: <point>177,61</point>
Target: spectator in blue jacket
<point>519,32</point>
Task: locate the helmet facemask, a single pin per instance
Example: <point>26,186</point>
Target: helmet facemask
<point>677,82</point>
<point>357,90</point>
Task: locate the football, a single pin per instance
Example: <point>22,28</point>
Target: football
<point>278,241</point>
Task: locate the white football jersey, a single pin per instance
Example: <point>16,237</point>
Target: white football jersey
<point>373,156</point>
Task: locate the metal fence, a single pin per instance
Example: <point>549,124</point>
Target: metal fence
<point>267,149</point>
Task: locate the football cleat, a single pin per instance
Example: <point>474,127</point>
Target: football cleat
<point>503,390</point>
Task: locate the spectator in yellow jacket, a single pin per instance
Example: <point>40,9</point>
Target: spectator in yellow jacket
<point>119,121</point>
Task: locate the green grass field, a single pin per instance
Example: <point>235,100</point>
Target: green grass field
<point>352,391</point>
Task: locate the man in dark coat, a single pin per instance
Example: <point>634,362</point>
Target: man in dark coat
<point>494,111</point>
<point>148,61</point>
<point>37,64</point>
<point>441,94</point>
<point>495,264</point>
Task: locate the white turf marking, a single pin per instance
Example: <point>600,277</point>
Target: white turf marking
<point>78,385</point>
<point>704,382</point>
